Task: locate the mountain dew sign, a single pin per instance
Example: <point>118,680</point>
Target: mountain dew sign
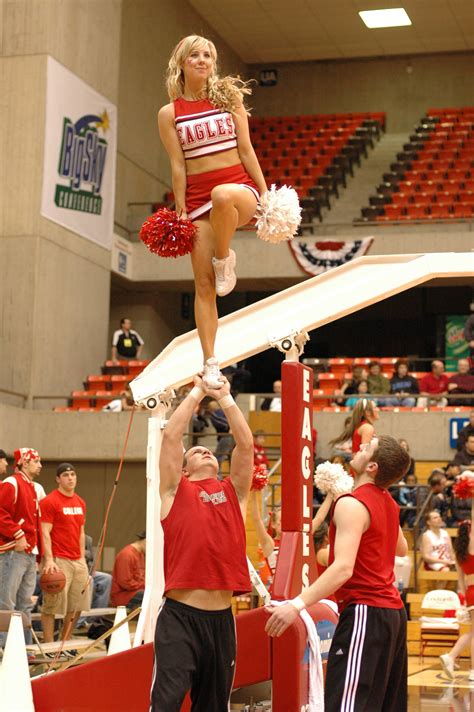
<point>456,346</point>
<point>79,156</point>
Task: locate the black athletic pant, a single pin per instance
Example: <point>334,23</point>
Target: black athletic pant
<point>194,650</point>
<point>367,663</point>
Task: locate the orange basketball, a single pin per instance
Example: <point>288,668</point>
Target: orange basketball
<point>52,582</point>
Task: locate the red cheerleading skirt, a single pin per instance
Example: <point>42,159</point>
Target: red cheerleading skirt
<point>199,187</point>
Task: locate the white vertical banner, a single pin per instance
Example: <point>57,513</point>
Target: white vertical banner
<point>79,156</point>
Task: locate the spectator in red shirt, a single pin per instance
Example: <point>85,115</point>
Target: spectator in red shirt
<point>462,382</point>
<point>434,387</point>
<point>20,535</point>
<point>128,576</point>
<point>63,520</point>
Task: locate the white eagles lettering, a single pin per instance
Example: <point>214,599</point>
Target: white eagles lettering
<point>209,131</point>
<point>189,135</point>
<point>306,430</point>
<point>306,386</point>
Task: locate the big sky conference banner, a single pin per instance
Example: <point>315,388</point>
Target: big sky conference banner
<point>79,156</point>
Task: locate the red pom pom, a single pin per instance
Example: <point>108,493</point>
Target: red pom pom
<point>167,235</point>
<point>464,487</point>
<point>260,478</point>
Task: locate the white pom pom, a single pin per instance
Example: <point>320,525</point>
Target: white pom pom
<point>278,214</point>
<point>331,478</point>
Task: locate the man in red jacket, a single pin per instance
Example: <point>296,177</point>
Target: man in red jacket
<point>128,576</point>
<point>20,535</point>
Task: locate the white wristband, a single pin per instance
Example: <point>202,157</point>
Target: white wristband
<point>197,393</point>
<point>226,401</point>
<point>298,603</point>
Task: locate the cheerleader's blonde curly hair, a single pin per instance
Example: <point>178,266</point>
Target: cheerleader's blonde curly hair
<point>227,93</point>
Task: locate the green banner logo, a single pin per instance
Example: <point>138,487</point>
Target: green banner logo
<point>456,346</point>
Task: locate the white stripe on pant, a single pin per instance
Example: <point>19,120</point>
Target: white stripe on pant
<point>355,657</point>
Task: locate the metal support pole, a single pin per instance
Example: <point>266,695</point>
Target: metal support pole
<point>154,573</point>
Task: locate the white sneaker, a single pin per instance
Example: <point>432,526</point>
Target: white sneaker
<point>471,675</point>
<point>212,375</point>
<point>447,663</point>
<point>224,271</point>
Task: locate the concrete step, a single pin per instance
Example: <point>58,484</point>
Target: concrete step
<point>366,177</point>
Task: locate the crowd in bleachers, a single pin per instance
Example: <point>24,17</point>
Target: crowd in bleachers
<point>389,384</point>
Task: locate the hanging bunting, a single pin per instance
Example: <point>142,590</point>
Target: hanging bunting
<point>315,258</point>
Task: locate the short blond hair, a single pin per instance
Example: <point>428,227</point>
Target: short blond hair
<point>226,93</point>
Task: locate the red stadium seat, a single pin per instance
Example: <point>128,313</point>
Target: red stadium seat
<point>361,361</point>
<point>318,402</point>
<point>80,399</point>
<point>416,212</point>
<point>387,364</point>
<point>101,398</point>
<point>393,212</point>
<point>463,210</point>
<point>439,211</point>
<point>340,366</point>
<point>466,196</point>
<point>428,187</point>
<point>335,409</point>
<point>423,198</point>
<point>401,199</point>
<point>118,383</point>
<point>98,383</point>
<point>136,367</point>
<point>328,382</point>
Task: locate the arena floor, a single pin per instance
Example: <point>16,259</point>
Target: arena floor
<point>430,689</point>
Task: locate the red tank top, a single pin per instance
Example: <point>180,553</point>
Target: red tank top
<point>357,438</point>
<point>468,565</point>
<point>372,579</point>
<point>204,537</point>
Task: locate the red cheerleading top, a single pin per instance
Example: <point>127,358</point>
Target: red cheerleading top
<point>372,579</point>
<point>468,565</point>
<point>204,535</point>
<point>357,438</point>
<point>203,128</point>
<point>68,516</point>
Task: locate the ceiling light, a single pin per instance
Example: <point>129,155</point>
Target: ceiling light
<point>393,17</point>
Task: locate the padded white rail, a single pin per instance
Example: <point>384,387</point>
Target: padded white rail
<point>304,307</point>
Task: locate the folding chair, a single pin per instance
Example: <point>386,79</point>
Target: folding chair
<point>438,624</point>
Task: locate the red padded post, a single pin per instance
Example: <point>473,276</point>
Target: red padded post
<point>296,564</point>
<point>290,679</point>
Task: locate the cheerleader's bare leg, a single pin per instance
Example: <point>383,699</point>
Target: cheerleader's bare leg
<point>232,205</point>
<point>205,309</point>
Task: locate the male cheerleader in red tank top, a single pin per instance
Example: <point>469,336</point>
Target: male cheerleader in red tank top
<point>204,561</point>
<point>367,663</point>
